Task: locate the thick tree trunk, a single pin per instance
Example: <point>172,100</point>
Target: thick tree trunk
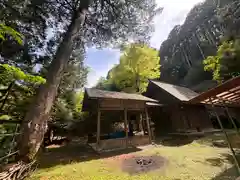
<point>188,52</point>
<point>196,37</point>
<point>185,55</point>
<point>35,123</point>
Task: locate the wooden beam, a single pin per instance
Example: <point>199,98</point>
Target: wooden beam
<point>126,125</point>
<point>119,109</point>
<point>229,93</point>
<point>111,109</point>
<point>148,126</point>
<point>230,84</point>
<point>98,126</point>
<point>235,99</point>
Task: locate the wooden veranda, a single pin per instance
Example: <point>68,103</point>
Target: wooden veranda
<point>96,100</point>
<point>226,95</point>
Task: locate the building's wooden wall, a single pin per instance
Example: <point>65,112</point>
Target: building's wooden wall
<point>112,104</point>
<point>161,120</point>
<point>175,115</point>
<point>179,117</point>
<point>189,117</point>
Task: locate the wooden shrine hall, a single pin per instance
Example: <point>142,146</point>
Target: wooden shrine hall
<point>126,112</point>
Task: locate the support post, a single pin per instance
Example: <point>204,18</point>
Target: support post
<point>148,126</point>
<point>126,125</point>
<point>231,119</point>
<point>141,124</point>
<point>98,126</point>
<point>227,138</point>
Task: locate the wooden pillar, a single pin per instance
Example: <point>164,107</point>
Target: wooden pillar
<point>226,136</point>
<point>98,126</point>
<point>229,116</point>
<point>141,124</point>
<point>148,126</point>
<point>126,125</point>
<point>232,121</point>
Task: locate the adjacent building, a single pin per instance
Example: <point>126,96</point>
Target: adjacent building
<point>176,114</point>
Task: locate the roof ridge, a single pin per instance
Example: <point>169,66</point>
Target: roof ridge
<point>170,84</point>
<point>180,92</point>
<point>115,91</point>
<point>94,92</point>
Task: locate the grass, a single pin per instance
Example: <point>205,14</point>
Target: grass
<point>197,160</point>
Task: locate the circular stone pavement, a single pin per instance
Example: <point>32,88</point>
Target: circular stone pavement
<point>143,164</point>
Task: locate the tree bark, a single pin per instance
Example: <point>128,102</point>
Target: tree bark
<point>185,55</point>
<point>34,125</point>
<point>199,45</point>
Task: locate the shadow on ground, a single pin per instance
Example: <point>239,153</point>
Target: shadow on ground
<point>176,140</point>
<point>216,139</point>
<point>75,153</point>
<point>219,140</point>
<point>228,174</point>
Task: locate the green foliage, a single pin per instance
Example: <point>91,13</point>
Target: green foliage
<point>6,30</point>
<point>187,45</point>
<point>78,101</point>
<point>68,104</point>
<point>4,117</point>
<point>17,90</point>
<point>196,75</point>
<point>11,73</point>
<point>138,63</point>
<point>107,84</point>
<point>28,22</point>
<point>226,63</point>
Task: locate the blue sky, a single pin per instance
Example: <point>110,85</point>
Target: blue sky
<point>101,61</point>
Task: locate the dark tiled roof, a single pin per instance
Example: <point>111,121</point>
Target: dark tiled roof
<point>96,93</point>
<point>181,93</point>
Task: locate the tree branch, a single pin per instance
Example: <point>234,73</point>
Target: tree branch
<point>70,5</point>
<point>65,5</point>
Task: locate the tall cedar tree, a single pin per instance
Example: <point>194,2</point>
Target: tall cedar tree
<point>96,22</point>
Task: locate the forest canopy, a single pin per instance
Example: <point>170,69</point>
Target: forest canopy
<point>204,48</point>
